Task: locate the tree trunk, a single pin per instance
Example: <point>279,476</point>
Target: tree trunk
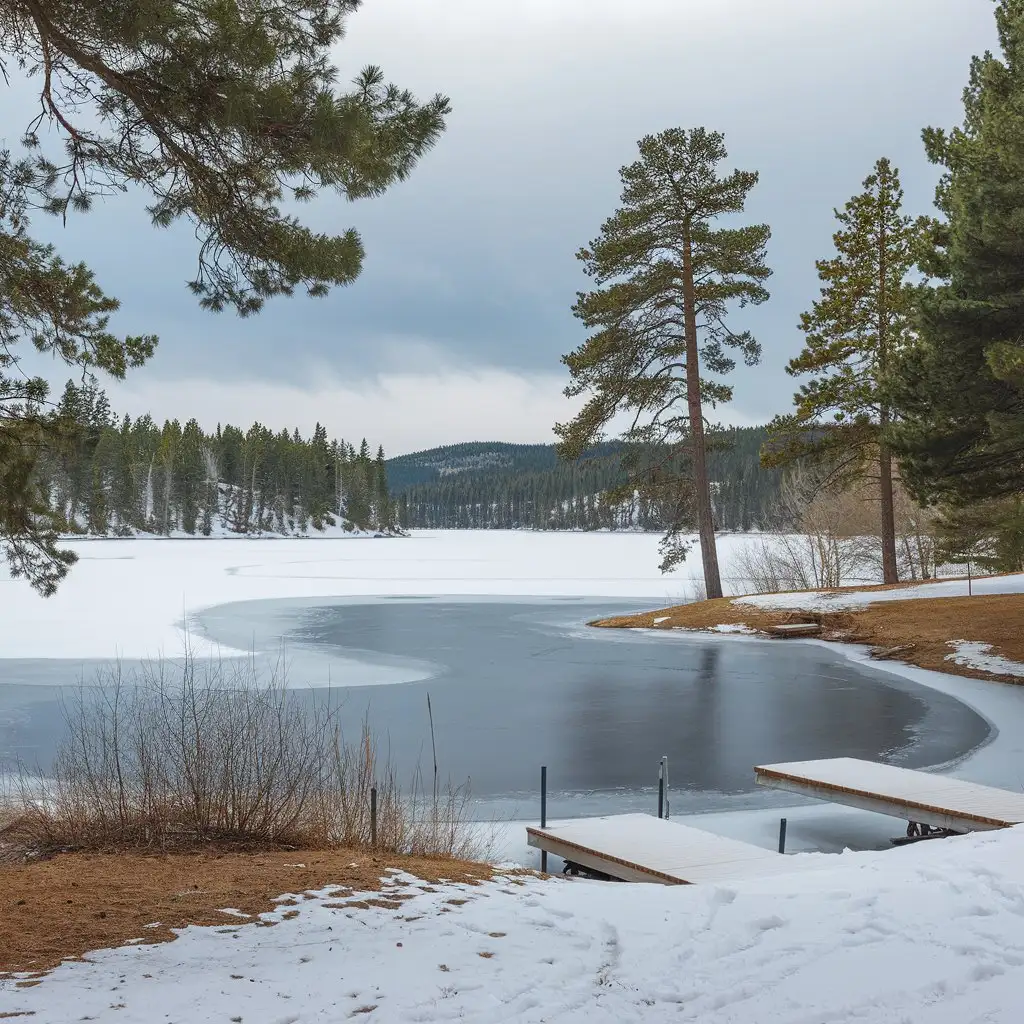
<point>890,572</point>
<point>702,485</point>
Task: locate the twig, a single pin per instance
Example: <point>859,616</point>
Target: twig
<point>433,747</point>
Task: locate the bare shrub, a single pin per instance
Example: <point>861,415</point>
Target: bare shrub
<point>916,546</point>
<point>202,754</point>
<point>830,541</point>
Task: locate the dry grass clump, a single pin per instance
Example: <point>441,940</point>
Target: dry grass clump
<point>183,757</point>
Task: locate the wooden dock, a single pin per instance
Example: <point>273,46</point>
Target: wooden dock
<point>643,848</point>
<point>915,796</point>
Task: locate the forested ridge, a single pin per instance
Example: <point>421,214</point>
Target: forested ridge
<point>117,476</point>
<point>506,486</point>
<point>114,476</point>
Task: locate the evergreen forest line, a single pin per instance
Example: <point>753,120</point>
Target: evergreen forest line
<point>114,476</point>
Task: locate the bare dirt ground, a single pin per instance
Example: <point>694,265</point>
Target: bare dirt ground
<point>923,626</point>
<point>61,908</point>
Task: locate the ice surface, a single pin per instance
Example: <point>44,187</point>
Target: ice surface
<point>129,598</point>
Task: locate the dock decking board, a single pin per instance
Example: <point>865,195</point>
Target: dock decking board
<point>643,848</point>
<point>901,792</point>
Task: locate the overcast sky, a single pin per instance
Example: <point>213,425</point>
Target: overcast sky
<point>455,329</point>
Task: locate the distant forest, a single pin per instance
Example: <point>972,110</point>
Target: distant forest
<point>115,476</point>
<point>118,476</point>
<point>508,486</point>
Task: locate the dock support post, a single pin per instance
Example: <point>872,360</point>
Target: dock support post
<point>782,835</point>
<point>544,812</point>
<point>664,785</point>
<point>661,789</point>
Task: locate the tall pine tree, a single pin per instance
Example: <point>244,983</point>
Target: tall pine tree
<point>665,279</point>
<point>961,388</point>
<point>855,331</point>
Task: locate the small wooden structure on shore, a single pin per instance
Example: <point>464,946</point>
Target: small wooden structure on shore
<point>795,629</point>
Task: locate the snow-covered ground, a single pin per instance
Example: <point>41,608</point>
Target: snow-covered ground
<point>933,933</point>
<point>976,655</point>
<point>826,601</point>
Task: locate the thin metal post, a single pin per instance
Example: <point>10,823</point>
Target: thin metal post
<point>661,789</point>
<point>664,771</point>
<point>373,817</point>
<point>782,835</point>
<point>544,812</point>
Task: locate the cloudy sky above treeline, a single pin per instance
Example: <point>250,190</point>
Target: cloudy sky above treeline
<point>455,329</point>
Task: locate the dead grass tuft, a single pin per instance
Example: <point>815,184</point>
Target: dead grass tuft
<point>179,758</point>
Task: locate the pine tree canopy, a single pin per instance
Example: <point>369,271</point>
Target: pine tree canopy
<point>226,115</point>
<point>865,315</point>
<point>223,111</point>
<point>961,388</point>
<point>665,279</point>
<point>855,331</point>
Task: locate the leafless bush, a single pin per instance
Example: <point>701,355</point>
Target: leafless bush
<point>830,541</point>
<point>916,546</point>
<point>206,754</point>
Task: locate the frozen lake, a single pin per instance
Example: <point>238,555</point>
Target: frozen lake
<point>519,683</point>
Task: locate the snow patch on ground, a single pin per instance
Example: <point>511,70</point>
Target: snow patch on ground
<point>844,600</point>
<point>733,627</point>
<point>933,933</point>
<point>972,654</point>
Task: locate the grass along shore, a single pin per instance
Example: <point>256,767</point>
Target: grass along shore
<point>65,906</point>
<point>924,628</point>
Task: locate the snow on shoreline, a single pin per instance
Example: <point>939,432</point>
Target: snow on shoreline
<point>976,655</point>
<point>848,600</point>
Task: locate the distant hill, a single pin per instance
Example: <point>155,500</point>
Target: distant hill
<point>494,485</point>
<point>406,471</point>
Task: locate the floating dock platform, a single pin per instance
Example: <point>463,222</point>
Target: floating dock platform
<point>915,796</point>
<point>643,848</point>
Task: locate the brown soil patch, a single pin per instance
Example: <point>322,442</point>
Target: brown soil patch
<point>922,624</point>
<point>62,908</point>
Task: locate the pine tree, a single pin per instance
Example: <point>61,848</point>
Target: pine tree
<point>961,388</point>
<point>665,279</point>
<point>989,533</point>
<point>382,499</point>
<point>226,114</point>
<point>855,333</point>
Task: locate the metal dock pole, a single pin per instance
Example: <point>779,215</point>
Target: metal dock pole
<point>544,812</point>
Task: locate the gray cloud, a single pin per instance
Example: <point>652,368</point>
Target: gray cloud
<point>470,266</point>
